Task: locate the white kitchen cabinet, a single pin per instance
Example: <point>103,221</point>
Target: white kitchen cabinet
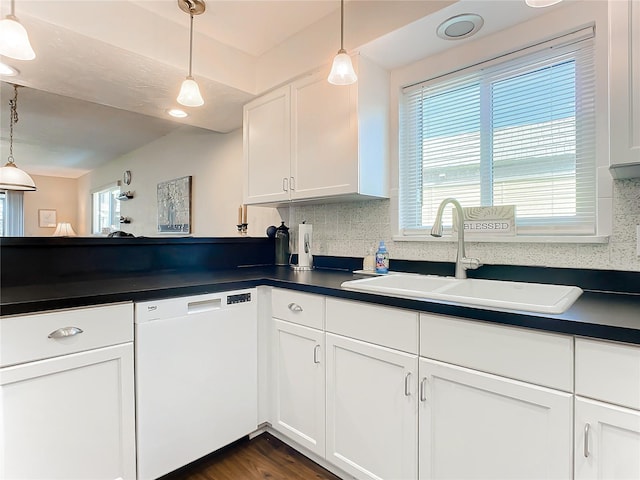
<point>477,425</point>
<point>607,423</point>
<point>338,139</point>
<point>371,409</point>
<point>298,368</point>
<point>267,147</point>
<point>607,441</point>
<point>70,416</point>
<point>298,384</point>
<point>624,87</point>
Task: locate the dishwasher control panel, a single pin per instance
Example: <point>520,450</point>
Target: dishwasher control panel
<point>239,298</point>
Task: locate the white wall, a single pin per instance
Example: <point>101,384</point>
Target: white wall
<point>53,193</point>
<point>215,164</point>
<point>348,229</point>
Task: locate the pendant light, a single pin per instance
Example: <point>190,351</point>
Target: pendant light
<point>342,72</point>
<point>14,41</point>
<point>11,177</point>
<point>189,95</point>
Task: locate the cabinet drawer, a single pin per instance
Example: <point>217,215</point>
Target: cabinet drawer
<point>389,327</point>
<point>529,355</point>
<point>26,337</point>
<point>301,308</point>
<point>608,371</point>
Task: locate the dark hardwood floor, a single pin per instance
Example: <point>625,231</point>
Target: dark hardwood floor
<point>264,457</point>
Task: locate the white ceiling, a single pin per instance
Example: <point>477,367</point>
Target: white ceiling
<point>107,70</point>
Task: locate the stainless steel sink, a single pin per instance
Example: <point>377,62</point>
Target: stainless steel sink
<point>487,294</point>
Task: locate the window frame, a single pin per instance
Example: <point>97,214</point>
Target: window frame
<point>112,187</point>
<point>441,66</point>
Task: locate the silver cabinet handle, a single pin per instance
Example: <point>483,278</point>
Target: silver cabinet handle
<point>294,307</point>
<point>292,184</point>
<point>587,427</point>
<point>65,332</point>
<point>423,390</point>
<point>285,184</point>
<point>316,349</point>
<point>407,391</point>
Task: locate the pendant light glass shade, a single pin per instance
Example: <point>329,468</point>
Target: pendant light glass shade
<point>14,41</point>
<point>541,3</point>
<point>342,72</point>
<point>12,178</point>
<point>189,95</point>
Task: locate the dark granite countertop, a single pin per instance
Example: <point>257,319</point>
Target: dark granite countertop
<point>612,316</point>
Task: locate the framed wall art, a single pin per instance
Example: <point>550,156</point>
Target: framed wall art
<point>47,218</point>
<point>174,206</point>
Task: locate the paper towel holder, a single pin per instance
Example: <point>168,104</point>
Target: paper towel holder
<point>305,258</point>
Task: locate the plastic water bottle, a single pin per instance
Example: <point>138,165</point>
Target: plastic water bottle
<point>382,259</point>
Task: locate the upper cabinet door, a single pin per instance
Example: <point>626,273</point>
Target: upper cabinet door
<point>324,140</point>
<point>624,77</point>
<point>267,154</point>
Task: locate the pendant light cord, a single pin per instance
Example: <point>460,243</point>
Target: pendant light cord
<point>191,8</point>
<point>341,25</point>
<point>13,104</point>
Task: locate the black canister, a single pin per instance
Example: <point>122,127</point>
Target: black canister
<point>282,245</point>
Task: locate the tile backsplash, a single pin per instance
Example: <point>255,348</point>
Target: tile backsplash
<point>348,229</point>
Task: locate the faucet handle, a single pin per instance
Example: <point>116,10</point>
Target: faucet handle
<point>470,263</point>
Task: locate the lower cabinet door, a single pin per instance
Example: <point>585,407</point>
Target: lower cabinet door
<point>607,441</point>
<point>299,384</point>
<point>475,425</point>
<point>371,410</point>
<point>70,417</point>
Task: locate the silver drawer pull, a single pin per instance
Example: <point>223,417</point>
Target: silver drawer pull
<point>586,440</point>
<point>294,307</point>
<point>65,332</point>
<point>316,349</point>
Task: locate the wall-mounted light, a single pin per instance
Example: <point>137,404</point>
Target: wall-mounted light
<point>342,72</point>
<point>14,40</point>
<point>11,177</point>
<point>189,95</point>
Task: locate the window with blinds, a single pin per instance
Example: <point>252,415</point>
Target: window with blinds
<point>519,130</point>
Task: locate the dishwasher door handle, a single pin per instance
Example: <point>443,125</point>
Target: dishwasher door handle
<point>204,305</point>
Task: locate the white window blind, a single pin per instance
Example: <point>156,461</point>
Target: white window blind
<point>519,130</point>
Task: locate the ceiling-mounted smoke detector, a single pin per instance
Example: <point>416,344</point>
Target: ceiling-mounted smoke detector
<point>460,26</point>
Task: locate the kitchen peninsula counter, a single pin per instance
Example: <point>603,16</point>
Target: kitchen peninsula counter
<point>606,315</point>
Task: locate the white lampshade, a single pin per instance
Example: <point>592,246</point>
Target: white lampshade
<point>14,41</point>
<point>541,3</point>
<point>64,229</point>
<point>342,72</point>
<point>189,95</point>
<point>12,178</point>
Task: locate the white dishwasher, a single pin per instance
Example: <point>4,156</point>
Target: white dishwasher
<point>196,377</point>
